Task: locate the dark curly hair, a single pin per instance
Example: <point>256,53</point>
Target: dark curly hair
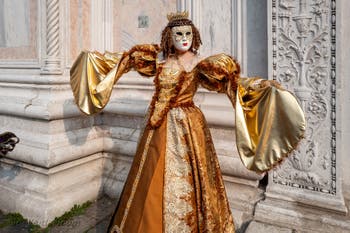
<point>166,44</point>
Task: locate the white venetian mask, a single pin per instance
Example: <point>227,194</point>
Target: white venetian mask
<point>182,37</point>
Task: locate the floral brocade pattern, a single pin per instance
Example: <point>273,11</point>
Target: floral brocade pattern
<point>178,189</point>
<point>194,194</point>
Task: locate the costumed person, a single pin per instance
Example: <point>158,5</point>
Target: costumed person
<point>175,183</point>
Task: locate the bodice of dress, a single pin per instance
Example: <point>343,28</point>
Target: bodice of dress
<point>175,87</point>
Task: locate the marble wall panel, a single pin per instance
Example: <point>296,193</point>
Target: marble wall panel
<point>216,27</point>
<point>127,25</point>
<point>80,27</point>
<point>18,38</point>
<point>256,27</point>
<point>14,33</point>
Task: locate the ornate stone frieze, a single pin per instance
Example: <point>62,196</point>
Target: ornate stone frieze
<point>303,59</point>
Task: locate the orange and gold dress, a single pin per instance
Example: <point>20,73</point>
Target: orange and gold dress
<point>175,183</point>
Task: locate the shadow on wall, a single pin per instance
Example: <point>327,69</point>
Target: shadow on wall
<point>78,126</point>
<point>10,173</point>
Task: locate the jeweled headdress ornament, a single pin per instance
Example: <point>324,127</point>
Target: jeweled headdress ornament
<point>177,16</point>
<point>178,19</point>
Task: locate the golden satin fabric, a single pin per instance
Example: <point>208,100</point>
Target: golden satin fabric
<point>93,74</point>
<point>96,69</point>
<point>269,124</point>
<point>175,183</point>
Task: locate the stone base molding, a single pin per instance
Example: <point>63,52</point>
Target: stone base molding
<point>41,194</point>
<point>277,213</point>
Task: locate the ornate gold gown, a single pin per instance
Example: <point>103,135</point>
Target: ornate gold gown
<point>175,183</point>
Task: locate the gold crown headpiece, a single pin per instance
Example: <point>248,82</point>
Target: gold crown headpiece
<point>177,16</point>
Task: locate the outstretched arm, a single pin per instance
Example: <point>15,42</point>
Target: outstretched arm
<point>93,74</point>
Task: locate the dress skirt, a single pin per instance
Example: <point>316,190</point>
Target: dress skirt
<point>175,182</point>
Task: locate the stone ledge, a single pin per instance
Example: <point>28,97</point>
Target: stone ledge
<point>56,149</point>
<point>49,192</point>
<point>54,102</point>
<point>302,218</point>
<point>258,227</point>
<point>334,203</point>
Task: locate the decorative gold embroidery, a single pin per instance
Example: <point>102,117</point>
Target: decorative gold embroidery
<point>177,188</point>
<point>164,98</point>
<point>170,72</point>
<point>137,179</point>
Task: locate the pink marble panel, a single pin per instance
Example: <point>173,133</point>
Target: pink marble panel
<point>30,51</point>
<point>80,27</point>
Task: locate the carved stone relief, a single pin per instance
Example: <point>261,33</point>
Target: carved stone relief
<point>303,59</point>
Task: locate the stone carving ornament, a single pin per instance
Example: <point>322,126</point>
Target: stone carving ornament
<point>304,61</point>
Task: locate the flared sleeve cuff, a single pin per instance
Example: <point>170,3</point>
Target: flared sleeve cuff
<point>269,123</point>
<point>92,77</point>
<point>93,74</point>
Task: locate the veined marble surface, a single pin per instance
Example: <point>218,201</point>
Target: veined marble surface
<point>18,38</point>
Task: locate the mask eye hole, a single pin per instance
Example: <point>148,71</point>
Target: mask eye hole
<point>188,33</point>
<point>179,33</point>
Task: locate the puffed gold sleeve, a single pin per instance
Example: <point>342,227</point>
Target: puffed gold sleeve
<point>93,74</point>
<point>218,73</point>
<point>269,123</point>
